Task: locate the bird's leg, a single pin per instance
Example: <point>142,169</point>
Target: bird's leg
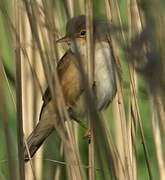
<point>72,116</point>
<point>87,130</point>
<point>87,134</point>
<point>80,123</point>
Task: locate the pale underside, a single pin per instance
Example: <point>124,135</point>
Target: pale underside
<point>104,80</point>
<point>73,88</point>
<point>104,75</point>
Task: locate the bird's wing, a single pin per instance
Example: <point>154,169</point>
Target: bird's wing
<point>70,81</point>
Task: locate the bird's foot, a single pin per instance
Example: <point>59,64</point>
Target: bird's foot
<point>87,135</point>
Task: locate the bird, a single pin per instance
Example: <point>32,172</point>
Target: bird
<point>73,90</point>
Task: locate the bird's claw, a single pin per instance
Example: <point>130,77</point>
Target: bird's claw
<point>87,135</point>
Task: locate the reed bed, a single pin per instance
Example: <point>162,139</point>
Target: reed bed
<point>127,140</point>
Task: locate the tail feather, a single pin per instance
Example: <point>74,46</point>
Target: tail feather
<point>36,139</point>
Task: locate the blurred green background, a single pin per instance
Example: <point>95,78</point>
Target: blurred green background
<point>7,55</point>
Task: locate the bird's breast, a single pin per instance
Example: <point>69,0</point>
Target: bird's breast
<point>104,77</point>
<point>104,74</point>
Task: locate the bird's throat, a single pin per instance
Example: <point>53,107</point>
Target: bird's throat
<point>79,46</point>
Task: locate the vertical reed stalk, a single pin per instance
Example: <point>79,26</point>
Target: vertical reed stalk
<point>157,139</point>
<point>90,69</point>
<point>7,134</point>
<point>111,154</point>
<point>19,92</point>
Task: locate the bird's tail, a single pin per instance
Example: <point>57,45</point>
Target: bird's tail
<point>36,138</point>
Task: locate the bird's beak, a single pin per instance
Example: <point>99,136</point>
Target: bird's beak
<point>63,39</point>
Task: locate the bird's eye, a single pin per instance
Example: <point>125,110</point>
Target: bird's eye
<point>82,33</point>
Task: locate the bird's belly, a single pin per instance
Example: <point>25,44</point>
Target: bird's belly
<point>105,87</point>
<point>104,77</point>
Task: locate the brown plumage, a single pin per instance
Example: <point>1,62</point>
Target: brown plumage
<point>70,80</point>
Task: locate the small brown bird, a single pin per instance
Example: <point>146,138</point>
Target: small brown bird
<point>104,84</point>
